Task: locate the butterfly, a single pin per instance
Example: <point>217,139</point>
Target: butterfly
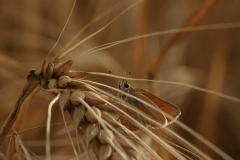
<point>167,114</point>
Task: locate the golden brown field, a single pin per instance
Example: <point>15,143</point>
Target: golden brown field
<point>207,58</point>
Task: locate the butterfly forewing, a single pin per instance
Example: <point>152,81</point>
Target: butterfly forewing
<point>171,112</point>
<point>159,116</point>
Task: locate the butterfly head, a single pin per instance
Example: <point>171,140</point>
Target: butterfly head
<point>123,85</point>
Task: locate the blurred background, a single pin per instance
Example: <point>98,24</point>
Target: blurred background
<point>208,59</point>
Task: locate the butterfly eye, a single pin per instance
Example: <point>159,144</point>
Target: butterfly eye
<point>126,85</point>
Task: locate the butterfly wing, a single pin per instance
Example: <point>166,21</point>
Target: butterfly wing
<point>149,111</point>
<point>167,108</point>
